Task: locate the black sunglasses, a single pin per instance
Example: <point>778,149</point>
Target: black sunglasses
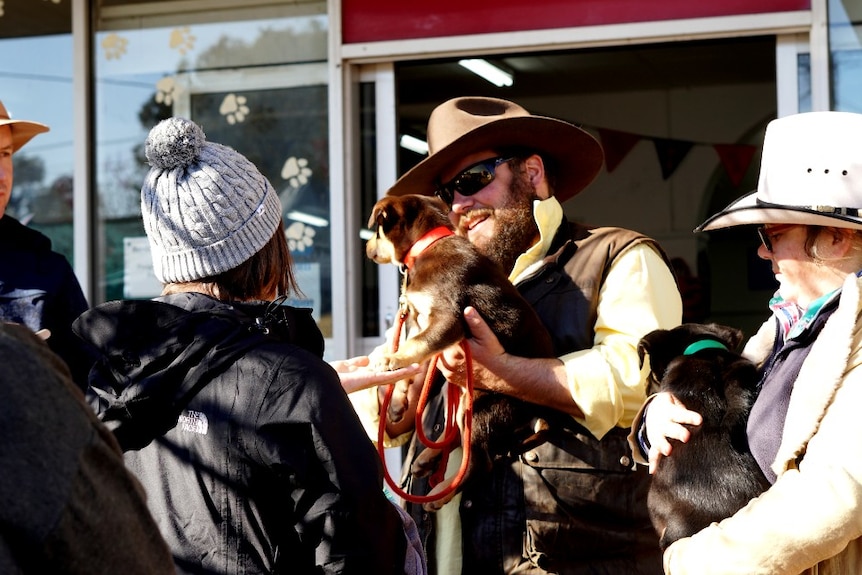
<point>767,234</point>
<point>470,181</point>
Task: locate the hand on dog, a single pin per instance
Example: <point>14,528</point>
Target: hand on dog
<point>356,374</point>
<point>667,418</point>
<point>484,349</point>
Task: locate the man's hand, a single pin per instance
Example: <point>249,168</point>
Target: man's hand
<point>537,380</point>
<point>666,418</point>
<point>484,349</point>
<point>484,345</point>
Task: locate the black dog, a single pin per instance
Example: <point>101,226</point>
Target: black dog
<point>444,274</point>
<point>714,474</point>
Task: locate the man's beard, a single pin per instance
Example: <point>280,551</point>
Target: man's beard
<point>514,225</point>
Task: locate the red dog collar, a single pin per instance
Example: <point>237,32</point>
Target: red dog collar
<point>422,244</point>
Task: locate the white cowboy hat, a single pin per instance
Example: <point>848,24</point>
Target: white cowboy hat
<point>22,130</point>
<point>463,126</point>
<point>810,173</point>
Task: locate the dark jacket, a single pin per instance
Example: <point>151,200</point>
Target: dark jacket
<point>39,289</point>
<point>251,454</point>
<point>574,504</point>
<point>67,503</point>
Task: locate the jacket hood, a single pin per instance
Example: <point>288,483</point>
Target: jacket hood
<point>151,357</point>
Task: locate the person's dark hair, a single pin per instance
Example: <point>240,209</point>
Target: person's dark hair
<point>269,270</point>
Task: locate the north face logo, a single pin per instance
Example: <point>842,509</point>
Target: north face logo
<point>193,421</point>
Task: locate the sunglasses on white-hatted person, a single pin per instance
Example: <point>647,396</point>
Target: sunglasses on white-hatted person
<point>767,235</point>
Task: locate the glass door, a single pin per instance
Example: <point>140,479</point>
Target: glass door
<point>375,132</point>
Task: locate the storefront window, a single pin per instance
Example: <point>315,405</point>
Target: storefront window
<point>36,80</point>
<point>845,47</point>
<point>258,86</point>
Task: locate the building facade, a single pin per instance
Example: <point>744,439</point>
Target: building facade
<point>324,96</point>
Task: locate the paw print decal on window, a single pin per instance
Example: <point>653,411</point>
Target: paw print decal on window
<point>233,108</point>
<point>114,46</point>
<point>182,40</point>
<point>296,171</point>
<point>299,236</point>
<point>165,89</point>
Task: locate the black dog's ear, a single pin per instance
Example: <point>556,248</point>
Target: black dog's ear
<point>731,337</point>
<point>656,345</point>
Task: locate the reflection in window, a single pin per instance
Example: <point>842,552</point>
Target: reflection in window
<point>36,77</point>
<point>257,86</point>
<point>845,47</point>
<point>803,71</point>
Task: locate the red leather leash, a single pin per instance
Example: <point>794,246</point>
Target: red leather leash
<point>448,439</point>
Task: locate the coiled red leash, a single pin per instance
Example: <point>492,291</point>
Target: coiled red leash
<point>449,436</point>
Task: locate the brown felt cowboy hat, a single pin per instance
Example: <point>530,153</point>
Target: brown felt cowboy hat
<point>22,130</point>
<point>810,173</point>
<point>463,126</point>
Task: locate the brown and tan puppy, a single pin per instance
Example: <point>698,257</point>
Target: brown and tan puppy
<point>444,274</point>
<point>712,475</point>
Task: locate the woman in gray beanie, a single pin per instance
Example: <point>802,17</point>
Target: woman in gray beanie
<point>250,452</point>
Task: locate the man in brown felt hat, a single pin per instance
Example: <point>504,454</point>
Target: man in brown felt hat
<point>577,503</point>
<point>37,285</point>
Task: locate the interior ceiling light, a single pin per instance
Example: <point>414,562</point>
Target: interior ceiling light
<point>488,71</point>
<point>414,144</point>
<point>309,219</point>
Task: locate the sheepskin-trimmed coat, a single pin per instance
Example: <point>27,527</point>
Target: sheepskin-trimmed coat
<point>810,520</point>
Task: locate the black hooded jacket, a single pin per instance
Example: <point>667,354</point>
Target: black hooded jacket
<point>39,289</point>
<point>252,457</point>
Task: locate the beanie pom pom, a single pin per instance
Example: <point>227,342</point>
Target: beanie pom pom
<point>174,143</point>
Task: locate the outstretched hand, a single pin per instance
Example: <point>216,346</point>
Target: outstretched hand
<point>666,418</point>
<point>355,373</point>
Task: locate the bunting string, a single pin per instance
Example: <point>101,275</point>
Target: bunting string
<point>734,158</point>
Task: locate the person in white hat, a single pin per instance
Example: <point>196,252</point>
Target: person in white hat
<point>38,287</point>
<point>252,457</point>
<point>576,503</point>
<point>803,429</point>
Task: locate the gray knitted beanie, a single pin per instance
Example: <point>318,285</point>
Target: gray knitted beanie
<point>206,207</point>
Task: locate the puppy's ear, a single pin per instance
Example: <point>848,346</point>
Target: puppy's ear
<point>729,336</point>
<point>439,204</point>
<point>658,345</point>
<point>372,220</point>
<point>643,349</point>
<point>380,216</point>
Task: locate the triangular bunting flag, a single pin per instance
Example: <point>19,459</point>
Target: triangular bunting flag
<point>670,154</point>
<point>735,159</point>
<point>617,145</point>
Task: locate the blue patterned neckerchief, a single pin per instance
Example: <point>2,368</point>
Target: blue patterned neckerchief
<point>793,319</point>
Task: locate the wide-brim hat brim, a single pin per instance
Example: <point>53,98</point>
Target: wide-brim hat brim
<point>750,210</point>
<point>23,131</point>
<point>577,153</point>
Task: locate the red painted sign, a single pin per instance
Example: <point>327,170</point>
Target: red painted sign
<point>379,20</point>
